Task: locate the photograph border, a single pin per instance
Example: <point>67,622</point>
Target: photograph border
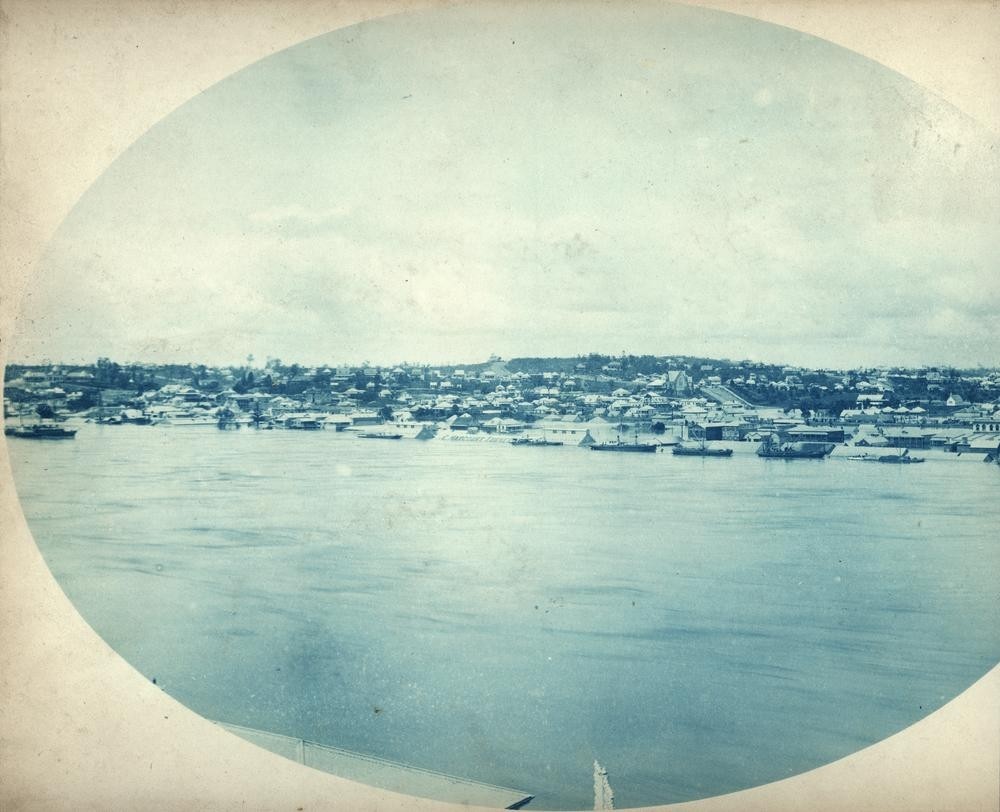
<point>80,80</point>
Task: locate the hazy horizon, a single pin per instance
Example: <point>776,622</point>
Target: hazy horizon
<point>530,181</point>
<point>266,362</point>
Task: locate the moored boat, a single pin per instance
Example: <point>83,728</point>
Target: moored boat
<point>702,450</point>
<point>648,448</point>
<point>902,458</point>
<point>770,449</point>
<point>40,431</point>
<point>535,441</point>
<point>634,447</point>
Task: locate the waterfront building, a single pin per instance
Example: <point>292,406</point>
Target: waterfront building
<point>907,437</point>
<point>818,434</point>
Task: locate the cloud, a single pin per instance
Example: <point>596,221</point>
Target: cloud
<point>468,198</point>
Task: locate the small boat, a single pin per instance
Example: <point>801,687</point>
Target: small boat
<point>902,458</point>
<point>892,459</point>
<point>380,435</point>
<point>40,432</point>
<point>136,418</point>
<point>702,450</point>
<point>535,441</point>
<point>188,419</point>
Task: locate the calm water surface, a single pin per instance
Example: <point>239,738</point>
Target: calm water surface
<point>510,614</point>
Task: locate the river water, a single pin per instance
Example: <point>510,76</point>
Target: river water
<point>510,614</point>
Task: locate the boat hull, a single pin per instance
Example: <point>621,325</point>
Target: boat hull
<point>792,455</point>
<point>39,432</point>
<point>795,451</point>
<point>626,448</point>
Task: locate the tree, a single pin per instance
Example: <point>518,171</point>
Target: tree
<point>86,400</point>
<point>108,372</point>
<point>45,412</point>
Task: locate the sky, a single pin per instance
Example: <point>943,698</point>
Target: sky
<point>548,179</point>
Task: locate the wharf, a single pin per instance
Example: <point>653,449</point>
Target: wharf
<point>381,773</point>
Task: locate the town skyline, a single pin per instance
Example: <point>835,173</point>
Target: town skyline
<point>263,362</point>
<point>653,393</point>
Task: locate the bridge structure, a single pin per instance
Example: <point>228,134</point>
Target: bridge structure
<point>723,394</point>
